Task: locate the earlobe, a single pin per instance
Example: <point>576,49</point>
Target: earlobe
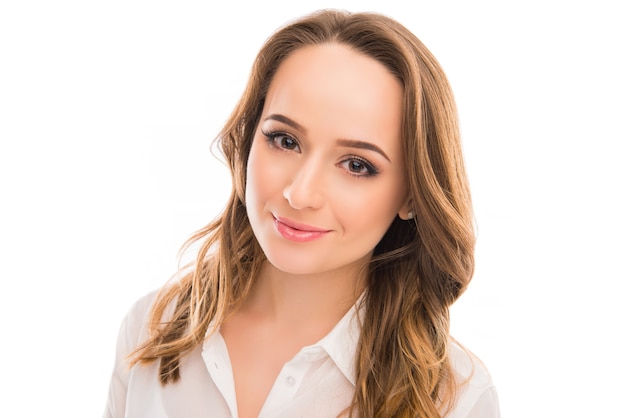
<point>406,212</point>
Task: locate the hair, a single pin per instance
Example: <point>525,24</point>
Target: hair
<point>420,266</point>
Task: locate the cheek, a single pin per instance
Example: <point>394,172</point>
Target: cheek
<point>261,173</point>
<point>253,182</point>
<point>368,208</point>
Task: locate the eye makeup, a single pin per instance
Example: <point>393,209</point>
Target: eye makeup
<point>354,165</point>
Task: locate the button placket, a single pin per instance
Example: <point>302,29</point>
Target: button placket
<point>285,387</point>
<point>290,377</point>
<point>215,357</point>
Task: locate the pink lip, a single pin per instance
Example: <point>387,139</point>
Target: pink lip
<point>298,232</point>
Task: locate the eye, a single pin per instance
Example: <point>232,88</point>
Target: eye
<point>359,167</point>
<point>286,142</point>
<point>281,140</point>
<point>356,166</point>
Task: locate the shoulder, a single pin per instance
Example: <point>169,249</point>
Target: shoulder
<point>135,325</point>
<point>467,367</point>
<point>135,328</point>
<point>475,388</point>
<point>142,307</point>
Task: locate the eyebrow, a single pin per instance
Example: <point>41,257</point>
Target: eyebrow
<point>287,121</point>
<point>362,145</point>
<point>351,143</point>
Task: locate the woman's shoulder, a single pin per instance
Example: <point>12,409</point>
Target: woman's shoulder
<point>139,315</point>
<point>135,323</point>
<point>476,393</point>
<point>142,306</point>
<point>468,367</point>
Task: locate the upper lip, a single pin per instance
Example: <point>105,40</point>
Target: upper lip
<point>299,226</point>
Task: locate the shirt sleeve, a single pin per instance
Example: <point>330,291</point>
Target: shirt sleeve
<point>132,331</point>
<point>486,406</point>
<point>116,400</point>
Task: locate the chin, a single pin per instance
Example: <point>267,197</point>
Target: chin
<point>301,259</point>
<point>294,265</point>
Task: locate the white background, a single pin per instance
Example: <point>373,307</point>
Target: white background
<point>107,112</point>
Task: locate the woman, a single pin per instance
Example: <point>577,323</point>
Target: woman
<point>323,289</point>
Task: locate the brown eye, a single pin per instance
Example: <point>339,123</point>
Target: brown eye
<point>358,167</point>
<point>282,141</point>
<point>286,142</point>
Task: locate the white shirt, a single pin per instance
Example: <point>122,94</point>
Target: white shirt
<point>317,383</point>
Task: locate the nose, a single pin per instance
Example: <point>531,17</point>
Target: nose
<point>305,190</point>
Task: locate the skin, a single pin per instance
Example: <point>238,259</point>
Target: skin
<point>316,204</point>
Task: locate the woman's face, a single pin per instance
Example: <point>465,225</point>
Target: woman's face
<point>325,175</point>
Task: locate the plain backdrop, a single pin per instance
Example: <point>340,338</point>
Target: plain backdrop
<point>107,113</point>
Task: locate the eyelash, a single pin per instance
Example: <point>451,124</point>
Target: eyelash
<point>371,169</point>
<point>272,136</point>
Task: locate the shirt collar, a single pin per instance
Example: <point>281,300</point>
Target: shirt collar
<point>342,341</point>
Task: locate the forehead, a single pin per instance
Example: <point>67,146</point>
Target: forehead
<point>335,85</point>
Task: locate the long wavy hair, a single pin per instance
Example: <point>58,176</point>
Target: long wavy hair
<point>419,268</point>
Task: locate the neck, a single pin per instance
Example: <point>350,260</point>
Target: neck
<point>305,301</point>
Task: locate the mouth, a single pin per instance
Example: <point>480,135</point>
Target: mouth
<point>295,231</point>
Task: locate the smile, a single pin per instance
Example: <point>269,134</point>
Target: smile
<point>297,232</point>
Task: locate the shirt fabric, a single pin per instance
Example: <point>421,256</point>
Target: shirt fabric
<point>318,382</point>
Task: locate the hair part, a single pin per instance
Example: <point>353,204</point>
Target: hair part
<point>419,268</point>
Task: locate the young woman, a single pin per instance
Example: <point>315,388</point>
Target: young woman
<point>323,289</point>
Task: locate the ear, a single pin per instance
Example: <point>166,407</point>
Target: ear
<point>407,212</point>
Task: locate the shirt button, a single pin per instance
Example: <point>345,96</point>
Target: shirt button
<point>291,381</point>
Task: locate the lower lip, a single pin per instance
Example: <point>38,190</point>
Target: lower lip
<point>297,235</point>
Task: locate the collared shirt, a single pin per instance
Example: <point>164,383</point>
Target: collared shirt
<point>318,382</point>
